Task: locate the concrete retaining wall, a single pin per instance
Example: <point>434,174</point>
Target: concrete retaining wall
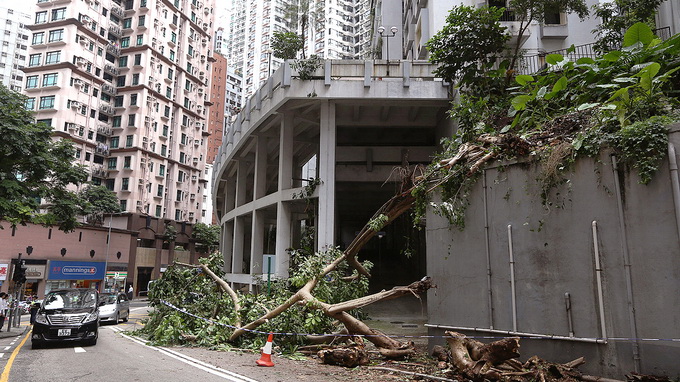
<point>553,255</point>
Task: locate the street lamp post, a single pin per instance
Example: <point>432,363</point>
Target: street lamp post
<point>381,31</point>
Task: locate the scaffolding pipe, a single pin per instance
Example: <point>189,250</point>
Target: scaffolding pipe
<point>598,276</point>
<point>675,184</point>
<point>627,267</point>
<point>518,334</point>
<point>512,279</point>
<point>488,252</point>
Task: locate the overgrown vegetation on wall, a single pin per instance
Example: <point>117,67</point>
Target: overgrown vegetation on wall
<point>623,100</point>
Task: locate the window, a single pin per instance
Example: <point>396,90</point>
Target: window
<point>120,81</point>
<point>118,101</point>
<point>131,121</point>
<point>114,142</point>
<point>140,39</point>
<point>160,190</point>
<point>179,195</point>
<point>125,42</point>
<point>128,139</point>
<point>127,162</point>
<point>142,19</point>
<point>112,163</point>
<point>165,130</point>
<point>168,91</point>
<point>50,79</point>
<point>30,104</point>
<point>122,61</point>
<point>116,122</point>
<point>172,55</point>
<point>164,150</point>
<point>52,57</point>
<point>46,102</point>
<point>125,184</point>
<point>170,73</point>
<point>178,215</point>
<point>47,121</point>
<point>166,112</point>
<point>135,79</point>
<point>158,210</point>
<point>173,37</point>
<point>34,59</point>
<point>41,17</point>
<point>56,35</point>
<point>58,14</point>
<point>133,99</point>
<point>38,38</point>
<point>127,23</point>
<point>161,170</point>
<point>138,59</point>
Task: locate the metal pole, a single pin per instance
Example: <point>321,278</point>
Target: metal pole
<point>269,275</point>
<point>106,258</point>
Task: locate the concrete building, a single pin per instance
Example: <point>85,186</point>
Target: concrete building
<point>218,91</point>
<point>357,127</point>
<point>232,102</point>
<point>13,47</point>
<point>127,82</point>
<point>669,16</point>
<point>138,251</point>
<point>421,20</point>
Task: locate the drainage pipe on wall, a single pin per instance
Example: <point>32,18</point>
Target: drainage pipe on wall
<point>598,277</point>
<point>675,183</point>
<point>488,252</point>
<point>627,266</point>
<point>512,280</point>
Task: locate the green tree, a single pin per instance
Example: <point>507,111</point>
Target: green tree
<point>207,237</point>
<point>469,44</point>
<point>286,45</point>
<point>526,11</point>
<point>35,169</point>
<point>617,16</point>
<point>98,201</point>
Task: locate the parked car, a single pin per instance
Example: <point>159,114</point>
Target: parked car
<point>67,315</point>
<point>114,307</point>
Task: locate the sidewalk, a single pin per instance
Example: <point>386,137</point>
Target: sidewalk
<point>24,325</point>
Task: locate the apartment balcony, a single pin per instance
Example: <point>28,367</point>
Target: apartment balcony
<point>98,171</point>
<point>111,69</point>
<point>107,109</point>
<point>118,11</point>
<point>113,49</point>
<point>115,30</point>
<point>109,89</point>
<point>104,130</point>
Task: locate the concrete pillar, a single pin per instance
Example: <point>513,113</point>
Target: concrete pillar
<point>286,152</point>
<point>230,195</point>
<point>241,179</point>
<point>283,240</point>
<point>260,187</point>
<point>156,274</point>
<point>227,244</point>
<point>327,139</point>
<point>257,242</point>
<point>237,253</point>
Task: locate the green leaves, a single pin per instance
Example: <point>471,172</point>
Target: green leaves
<point>638,33</point>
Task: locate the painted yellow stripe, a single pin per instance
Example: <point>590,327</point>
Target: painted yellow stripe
<point>5,373</point>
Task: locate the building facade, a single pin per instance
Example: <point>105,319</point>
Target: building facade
<point>127,82</point>
<point>13,47</point>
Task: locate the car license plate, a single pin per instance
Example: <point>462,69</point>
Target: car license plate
<point>64,332</point>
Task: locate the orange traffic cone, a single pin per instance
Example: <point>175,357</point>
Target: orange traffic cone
<point>266,358</point>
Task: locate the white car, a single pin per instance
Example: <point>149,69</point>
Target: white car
<point>113,307</point>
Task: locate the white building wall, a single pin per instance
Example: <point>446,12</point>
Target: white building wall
<point>13,47</point>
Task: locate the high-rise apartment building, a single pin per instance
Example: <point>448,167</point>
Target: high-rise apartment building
<point>339,29</point>
<point>127,81</point>
<point>218,91</point>
<point>13,47</point>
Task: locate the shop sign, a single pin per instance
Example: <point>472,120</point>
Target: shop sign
<point>3,271</point>
<point>76,270</point>
<point>116,275</point>
<point>35,271</point>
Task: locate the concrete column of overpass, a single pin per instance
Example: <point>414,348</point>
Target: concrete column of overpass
<point>327,140</point>
<point>238,248</point>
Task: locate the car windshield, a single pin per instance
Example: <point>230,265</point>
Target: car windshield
<point>71,299</point>
<point>108,298</point>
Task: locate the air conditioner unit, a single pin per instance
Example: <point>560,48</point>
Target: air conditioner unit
<point>141,181</point>
<point>145,140</point>
<point>147,119</point>
<point>75,104</point>
<point>142,160</point>
<point>77,81</point>
<point>139,203</point>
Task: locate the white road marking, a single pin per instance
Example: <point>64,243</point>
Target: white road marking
<point>7,347</point>
<point>226,374</point>
<point>2,354</point>
<point>79,350</point>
